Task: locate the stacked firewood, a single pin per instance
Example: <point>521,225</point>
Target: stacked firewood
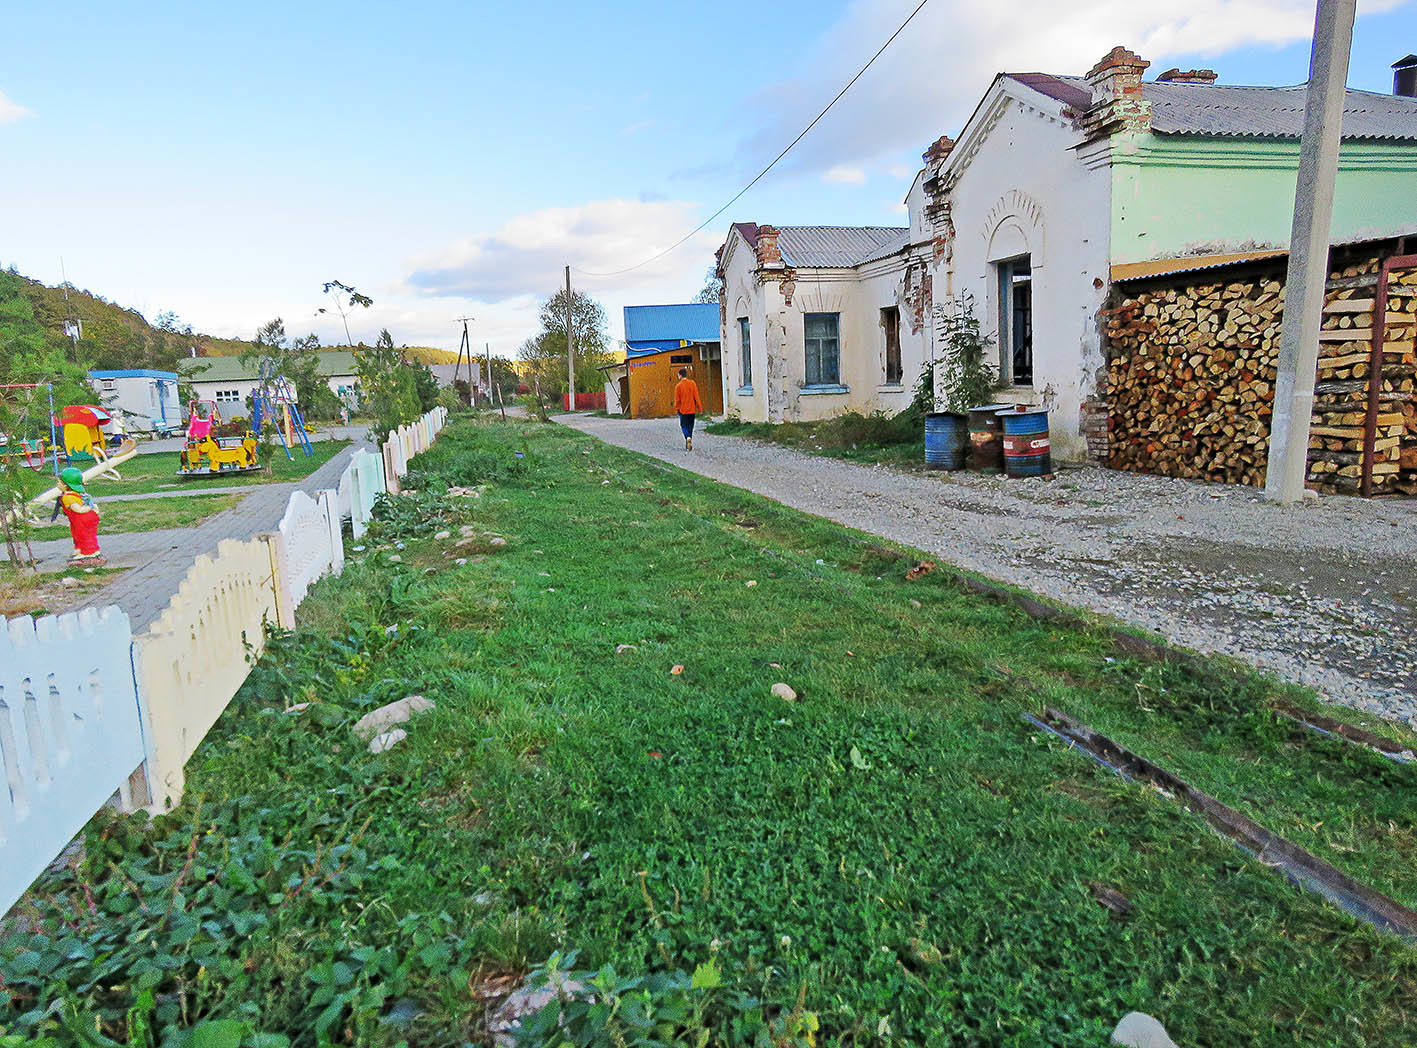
<point>1191,374</point>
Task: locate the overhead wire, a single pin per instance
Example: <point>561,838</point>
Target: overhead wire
<point>758,177</point>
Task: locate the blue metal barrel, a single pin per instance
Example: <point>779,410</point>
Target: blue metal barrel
<point>1027,452</point>
<point>986,447</point>
<point>946,435</point>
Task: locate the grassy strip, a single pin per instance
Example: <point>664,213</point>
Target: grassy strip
<point>157,471</point>
<point>145,515</point>
<point>893,857</point>
<point>897,440</point>
<point>36,593</point>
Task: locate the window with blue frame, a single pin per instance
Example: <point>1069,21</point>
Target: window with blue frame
<point>823,347</point>
<point>745,352</point>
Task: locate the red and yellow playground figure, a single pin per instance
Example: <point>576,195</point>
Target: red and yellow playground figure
<point>78,505</point>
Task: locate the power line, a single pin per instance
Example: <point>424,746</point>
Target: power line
<point>703,225</point>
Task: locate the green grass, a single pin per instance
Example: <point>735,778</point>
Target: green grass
<point>25,592</point>
<point>895,441</point>
<point>896,852</point>
<point>144,515</point>
<point>157,471</point>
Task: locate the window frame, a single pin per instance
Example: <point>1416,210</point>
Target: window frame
<point>1010,318</point>
<point>745,353</point>
<point>809,350</point>
<point>890,328</point>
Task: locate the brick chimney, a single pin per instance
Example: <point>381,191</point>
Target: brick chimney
<point>939,149</point>
<point>769,257</point>
<point>1117,102</point>
<point>1404,77</point>
<point>1187,76</point>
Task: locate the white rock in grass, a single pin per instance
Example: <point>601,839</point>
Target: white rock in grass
<point>395,559</point>
<point>1139,1030</point>
<point>620,649</point>
<point>497,540</point>
<point>386,716</point>
<point>506,1024</point>
<point>784,692</point>
<point>467,531</point>
<point>387,741</point>
<point>443,535</point>
<point>460,561</point>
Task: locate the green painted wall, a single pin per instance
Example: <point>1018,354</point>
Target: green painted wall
<point>1174,195</point>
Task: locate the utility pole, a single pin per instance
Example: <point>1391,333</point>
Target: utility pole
<point>488,346</point>
<point>1308,252</point>
<point>570,347</point>
<point>464,347</point>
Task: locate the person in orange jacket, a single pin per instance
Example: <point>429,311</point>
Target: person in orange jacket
<point>687,403</point>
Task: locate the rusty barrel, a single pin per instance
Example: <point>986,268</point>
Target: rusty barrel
<point>986,448</point>
<point>1027,452</point>
<point>945,438</point>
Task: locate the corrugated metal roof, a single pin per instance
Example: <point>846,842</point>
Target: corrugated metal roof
<point>231,369</point>
<point>1190,263</point>
<point>838,246</point>
<point>688,321</point>
<point>1227,111</point>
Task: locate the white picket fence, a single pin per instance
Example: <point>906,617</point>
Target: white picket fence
<point>71,733</point>
<point>89,711</point>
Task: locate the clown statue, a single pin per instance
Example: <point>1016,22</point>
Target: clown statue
<point>78,506</point>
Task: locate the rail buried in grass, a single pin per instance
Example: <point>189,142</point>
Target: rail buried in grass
<point>1302,867</point>
<point>1393,751</point>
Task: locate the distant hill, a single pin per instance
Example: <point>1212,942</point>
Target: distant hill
<point>116,337</point>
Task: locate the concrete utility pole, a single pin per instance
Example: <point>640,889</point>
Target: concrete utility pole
<point>1308,252</point>
<point>570,347</point>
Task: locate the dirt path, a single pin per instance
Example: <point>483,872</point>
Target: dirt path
<point>1323,593</point>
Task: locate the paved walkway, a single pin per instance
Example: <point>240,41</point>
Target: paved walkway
<point>158,560</point>
<point>1322,593</point>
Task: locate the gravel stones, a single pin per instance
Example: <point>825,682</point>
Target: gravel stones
<point>385,717</point>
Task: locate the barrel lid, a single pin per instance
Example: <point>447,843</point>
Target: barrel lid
<point>996,408</point>
<point>1017,410</point>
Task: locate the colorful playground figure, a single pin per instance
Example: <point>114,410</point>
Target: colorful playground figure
<point>30,449</point>
<point>78,505</point>
<point>82,425</point>
<point>207,455</point>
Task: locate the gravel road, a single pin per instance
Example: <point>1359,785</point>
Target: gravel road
<point>1323,593</point>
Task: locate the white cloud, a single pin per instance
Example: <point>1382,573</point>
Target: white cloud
<point>501,276</point>
<point>11,111</point>
<point>844,175</point>
<point>931,77</point>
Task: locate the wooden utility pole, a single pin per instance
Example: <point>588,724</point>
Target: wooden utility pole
<point>570,347</point>
<point>1288,463</point>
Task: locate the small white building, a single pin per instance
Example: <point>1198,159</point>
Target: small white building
<point>143,400</point>
<point>229,381</point>
<point>819,320</point>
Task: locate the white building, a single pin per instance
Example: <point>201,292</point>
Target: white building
<point>819,320</point>
<point>1056,186</point>
<point>230,382</point>
<point>143,400</point>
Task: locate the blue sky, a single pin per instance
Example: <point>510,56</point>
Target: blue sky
<point>449,158</point>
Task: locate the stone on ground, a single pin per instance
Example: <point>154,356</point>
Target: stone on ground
<point>784,692</point>
<point>506,1023</point>
<point>443,535</point>
<point>1139,1030</point>
<point>387,741</point>
<point>497,540</point>
<point>385,717</point>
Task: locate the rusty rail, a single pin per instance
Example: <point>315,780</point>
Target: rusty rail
<point>1301,866</point>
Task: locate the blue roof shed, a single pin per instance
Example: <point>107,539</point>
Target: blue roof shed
<point>650,329</point>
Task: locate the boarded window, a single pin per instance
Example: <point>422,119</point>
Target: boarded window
<point>745,353</point>
<point>890,325</point>
<point>823,349</point>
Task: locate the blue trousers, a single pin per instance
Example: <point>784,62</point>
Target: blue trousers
<point>686,424</point>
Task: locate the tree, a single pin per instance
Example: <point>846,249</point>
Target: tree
<point>298,364</point>
<point>545,351</point>
<point>387,385</point>
<point>712,291</point>
<point>340,291</point>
